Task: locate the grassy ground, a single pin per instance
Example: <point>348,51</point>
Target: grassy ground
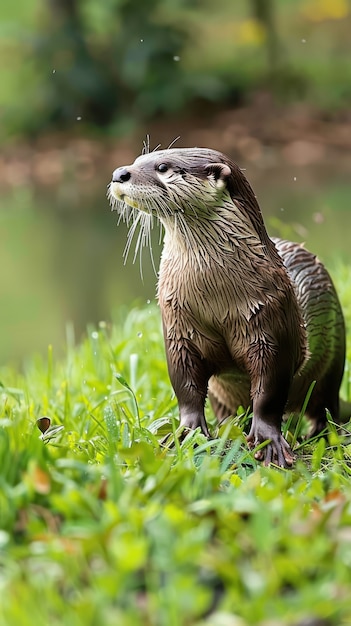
<point>101,525</point>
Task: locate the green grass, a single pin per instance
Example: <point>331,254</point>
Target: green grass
<point>101,524</point>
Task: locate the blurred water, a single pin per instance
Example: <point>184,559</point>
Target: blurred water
<point>61,251</point>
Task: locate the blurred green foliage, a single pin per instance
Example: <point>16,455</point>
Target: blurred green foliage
<point>127,68</point>
<point>111,64</point>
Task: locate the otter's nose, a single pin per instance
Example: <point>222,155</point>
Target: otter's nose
<point>121,175</point>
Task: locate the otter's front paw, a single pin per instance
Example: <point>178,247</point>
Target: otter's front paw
<point>276,451</point>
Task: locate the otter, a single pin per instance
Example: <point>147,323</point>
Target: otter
<point>247,320</point>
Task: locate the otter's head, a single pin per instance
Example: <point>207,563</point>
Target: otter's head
<point>167,181</point>
<point>187,189</point>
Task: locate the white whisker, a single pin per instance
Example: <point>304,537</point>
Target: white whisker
<point>130,236</point>
<point>173,142</point>
<point>146,145</point>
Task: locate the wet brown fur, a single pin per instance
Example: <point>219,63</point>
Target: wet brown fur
<point>246,320</point>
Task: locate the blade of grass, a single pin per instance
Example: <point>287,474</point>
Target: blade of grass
<point>124,383</point>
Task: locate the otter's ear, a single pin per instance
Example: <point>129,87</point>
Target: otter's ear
<point>220,172</point>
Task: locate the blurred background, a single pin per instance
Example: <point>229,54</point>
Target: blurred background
<point>82,84</point>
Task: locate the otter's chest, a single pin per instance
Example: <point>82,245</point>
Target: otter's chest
<point>206,309</point>
<point>211,295</point>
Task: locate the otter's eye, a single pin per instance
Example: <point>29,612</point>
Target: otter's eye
<point>162,168</point>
